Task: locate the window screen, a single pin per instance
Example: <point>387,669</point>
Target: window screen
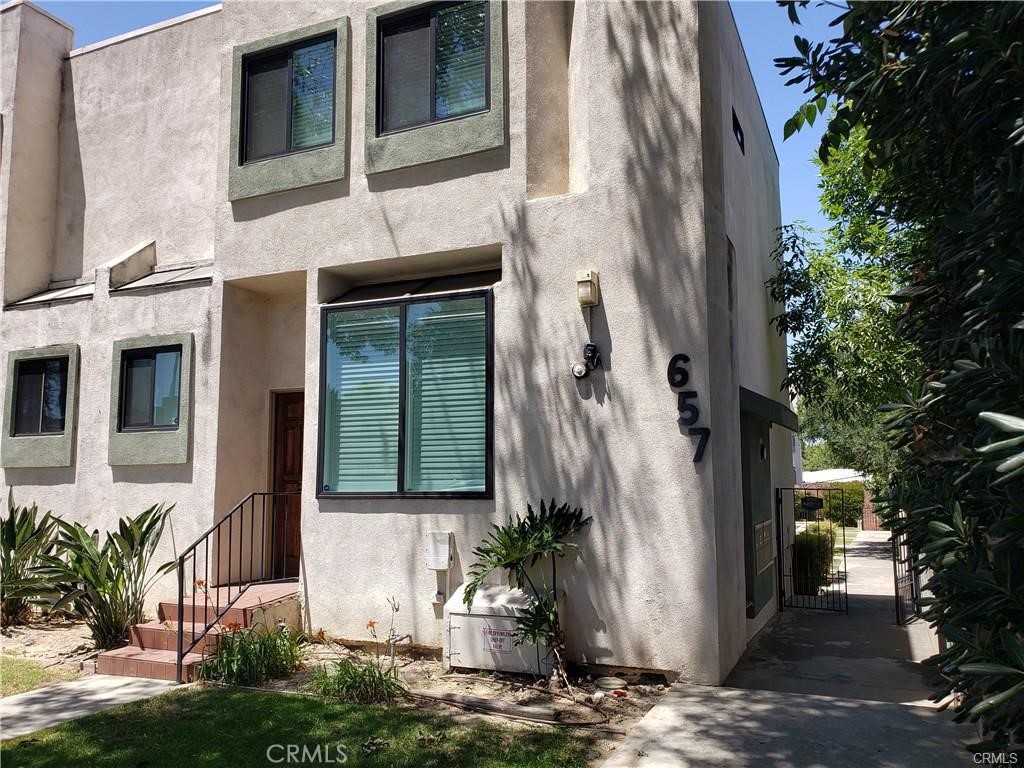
<point>289,99</point>
<point>433,65</point>
<point>150,388</point>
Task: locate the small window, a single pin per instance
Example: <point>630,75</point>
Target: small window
<point>737,131</point>
<point>40,396</point>
<point>150,389</point>
<point>289,99</point>
<point>406,406</point>
<point>433,65</point>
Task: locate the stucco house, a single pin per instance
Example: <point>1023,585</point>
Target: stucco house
<point>352,254</point>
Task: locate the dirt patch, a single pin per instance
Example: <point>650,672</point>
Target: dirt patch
<point>51,643</point>
<point>605,714</point>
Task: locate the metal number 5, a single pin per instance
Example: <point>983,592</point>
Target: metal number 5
<point>688,412</point>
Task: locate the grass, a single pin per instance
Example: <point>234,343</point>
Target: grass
<point>20,675</point>
<point>224,726</point>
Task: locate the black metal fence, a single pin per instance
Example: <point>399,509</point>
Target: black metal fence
<point>248,545</point>
<point>812,567</point>
<point>906,578</point>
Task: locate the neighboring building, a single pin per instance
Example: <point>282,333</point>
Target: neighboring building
<point>830,478</point>
<point>336,247</point>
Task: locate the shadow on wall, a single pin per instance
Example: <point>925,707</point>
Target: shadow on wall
<point>69,244</point>
<point>255,208</point>
<point>568,453</point>
<point>47,476</point>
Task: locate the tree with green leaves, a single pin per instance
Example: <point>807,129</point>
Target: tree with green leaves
<point>933,94</point>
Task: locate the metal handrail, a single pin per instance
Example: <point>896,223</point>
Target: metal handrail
<point>254,504</point>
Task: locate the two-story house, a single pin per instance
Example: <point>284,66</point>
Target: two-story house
<point>353,253</point>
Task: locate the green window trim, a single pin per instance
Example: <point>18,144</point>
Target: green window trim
<point>47,449</point>
<point>406,397</point>
<point>297,167</point>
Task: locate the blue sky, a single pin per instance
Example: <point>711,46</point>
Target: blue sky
<point>764,28</point>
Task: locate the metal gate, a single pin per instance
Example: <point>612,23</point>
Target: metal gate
<point>906,578</point>
<point>812,571</point>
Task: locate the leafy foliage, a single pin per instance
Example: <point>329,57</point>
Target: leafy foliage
<point>938,91</point>
<point>859,442</point>
<point>358,681</point>
<point>107,583</point>
<point>372,680</point>
<point>253,655</point>
<point>516,547</point>
<point>813,550</point>
<point>24,538</point>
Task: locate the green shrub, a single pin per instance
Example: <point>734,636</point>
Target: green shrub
<point>253,655</point>
<point>813,550</point>
<point>358,681</point>
<point>24,538</point>
<point>107,584</point>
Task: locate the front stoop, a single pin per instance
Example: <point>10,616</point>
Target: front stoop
<point>152,652</point>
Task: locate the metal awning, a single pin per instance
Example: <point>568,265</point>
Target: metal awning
<point>766,408</point>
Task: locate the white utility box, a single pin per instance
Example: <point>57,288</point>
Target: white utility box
<point>485,637</point>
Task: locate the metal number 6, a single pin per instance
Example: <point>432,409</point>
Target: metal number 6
<point>678,376</point>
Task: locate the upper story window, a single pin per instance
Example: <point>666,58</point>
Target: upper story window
<point>40,396</point>
<point>433,65</point>
<point>289,99</point>
<point>150,388</point>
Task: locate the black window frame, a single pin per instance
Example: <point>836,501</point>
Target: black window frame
<point>17,387</point>
<point>283,51</point>
<point>403,303</point>
<point>429,12</point>
<point>122,400</point>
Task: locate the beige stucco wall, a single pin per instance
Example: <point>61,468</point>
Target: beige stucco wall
<point>91,491</point>
<point>647,587</point>
<point>138,139</point>
<point>32,45</point>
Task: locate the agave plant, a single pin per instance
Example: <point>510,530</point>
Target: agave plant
<point>108,582</point>
<point>24,538</point>
<point>516,547</point>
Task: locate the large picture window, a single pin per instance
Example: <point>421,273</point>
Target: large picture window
<point>289,99</point>
<point>150,388</point>
<point>40,396</point>
<point>406,398</point>
<point>433,65</point>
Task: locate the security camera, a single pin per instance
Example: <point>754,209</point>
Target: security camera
<point>591,360</point>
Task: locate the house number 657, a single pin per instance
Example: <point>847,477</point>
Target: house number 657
<point>689,413</point>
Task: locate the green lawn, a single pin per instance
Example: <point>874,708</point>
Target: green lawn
<point>20,675</point>
<point>228,727</point>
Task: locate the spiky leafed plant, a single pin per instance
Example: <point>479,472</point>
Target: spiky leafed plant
<point>516,547</point>
<point>108,583</point>
<point>24,537</point>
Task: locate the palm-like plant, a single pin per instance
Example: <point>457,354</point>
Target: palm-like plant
<point>24,538</point>
<point>108,583</point>
<point>516,547</point>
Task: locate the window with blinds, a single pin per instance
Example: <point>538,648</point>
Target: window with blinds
<point>433,65</point>
<point>406,393</point>
<point>289,99</point>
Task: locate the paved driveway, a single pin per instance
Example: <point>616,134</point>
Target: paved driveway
<point>814,690</point>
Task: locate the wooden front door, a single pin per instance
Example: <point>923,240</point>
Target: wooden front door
<point>288,409</point>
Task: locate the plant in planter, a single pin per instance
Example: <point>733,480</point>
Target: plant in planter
<point>517,547</point>
<point>813,550</point>
<point>107,583</point>
<point>24,538</point>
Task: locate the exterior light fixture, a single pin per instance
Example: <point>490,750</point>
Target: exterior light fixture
<point>587,291</point>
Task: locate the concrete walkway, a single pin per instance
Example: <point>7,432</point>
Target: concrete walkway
<point>55,704</point>
<point>863,654</point>
<point>814,690</point>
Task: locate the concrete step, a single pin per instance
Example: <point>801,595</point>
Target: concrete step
<point>131,661</point>
<point>163,636</point>
<point>203,614</point>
